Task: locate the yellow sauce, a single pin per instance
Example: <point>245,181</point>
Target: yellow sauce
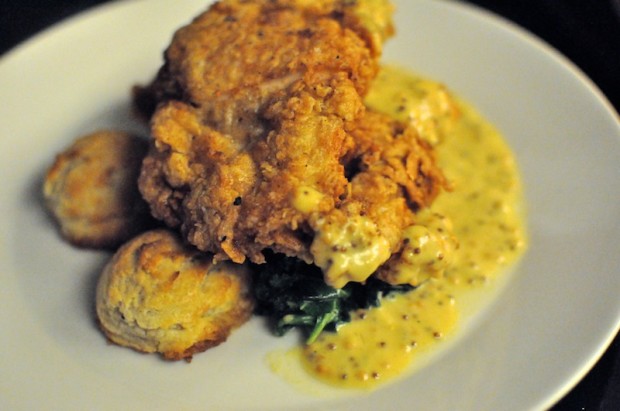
<point>426,104</point>
<point>349,252</point>
<point>307,199</point>
<point>428,251</point>
<point>486,217</point>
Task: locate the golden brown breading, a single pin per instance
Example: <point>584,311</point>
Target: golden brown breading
<point>260,115</point>
<point>91,189</point>
<point>266,91</point>
<point>157,295</point>
<point>243,51</point>
<point>396,176</point>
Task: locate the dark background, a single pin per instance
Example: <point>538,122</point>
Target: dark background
<point>585,31</point>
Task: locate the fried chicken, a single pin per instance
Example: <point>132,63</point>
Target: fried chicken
<point>261,139</point>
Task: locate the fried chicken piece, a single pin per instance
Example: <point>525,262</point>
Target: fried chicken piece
<point>253,93</point>
<point>91,189</point>
<point>157,295</point>
<point>259,116</point>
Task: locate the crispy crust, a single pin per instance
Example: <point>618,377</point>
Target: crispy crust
<point>259,101</point>
<point>254,99</point>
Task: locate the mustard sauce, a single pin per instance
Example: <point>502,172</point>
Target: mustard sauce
<point>429,247</point>
<point>484,211</point>
<point>349,252</point>
<point>307,199</point>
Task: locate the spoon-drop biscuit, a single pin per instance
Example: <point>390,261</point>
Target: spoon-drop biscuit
<point>91,189</point>
<point>157,295</point>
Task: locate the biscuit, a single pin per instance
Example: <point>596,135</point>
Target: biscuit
<point>91,190</point>
<point>156,295</point>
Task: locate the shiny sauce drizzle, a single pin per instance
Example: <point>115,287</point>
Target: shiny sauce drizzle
<point>484,208</point>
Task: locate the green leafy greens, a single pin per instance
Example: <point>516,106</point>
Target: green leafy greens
<point>293,294</point>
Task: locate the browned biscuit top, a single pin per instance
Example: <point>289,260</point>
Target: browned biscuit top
<point>91,189</point>
<point>157,295</point>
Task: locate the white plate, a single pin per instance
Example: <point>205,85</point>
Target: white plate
<point>555,318</point>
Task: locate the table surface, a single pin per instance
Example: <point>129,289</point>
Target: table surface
<point>585,31</point>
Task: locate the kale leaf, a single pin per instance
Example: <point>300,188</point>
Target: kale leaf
<point>293,294</point>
